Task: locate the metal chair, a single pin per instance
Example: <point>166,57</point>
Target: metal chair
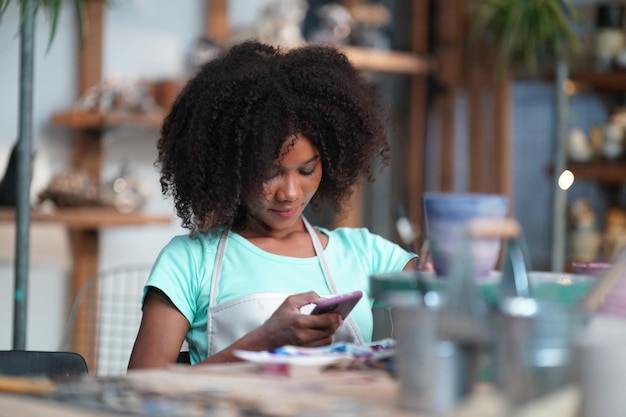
<point>105,317</point>
<point>32,363</point>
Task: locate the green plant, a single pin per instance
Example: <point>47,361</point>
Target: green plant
<point>527,32</point>
<point>53,8</point>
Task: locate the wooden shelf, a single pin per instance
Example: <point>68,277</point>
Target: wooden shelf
<point>93,119</point>
<point>605,172</point>
<point>607,81</point>
<point>388,61</point>
<point>364,59</point>
<point>88,218</point>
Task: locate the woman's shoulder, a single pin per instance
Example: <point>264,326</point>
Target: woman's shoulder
<point>200,242</point>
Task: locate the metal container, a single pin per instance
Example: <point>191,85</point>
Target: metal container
<point>434,373</point>
<point>533,347</point>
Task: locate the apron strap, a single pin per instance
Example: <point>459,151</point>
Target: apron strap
<point>217,267</point>
<point>319,251</point>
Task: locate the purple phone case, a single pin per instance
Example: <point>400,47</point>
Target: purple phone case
<point>341,304</point>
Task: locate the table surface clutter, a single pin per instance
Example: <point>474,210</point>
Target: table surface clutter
<point>244,389</point>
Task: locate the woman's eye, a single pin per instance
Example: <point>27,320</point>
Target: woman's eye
<point>307,172</point>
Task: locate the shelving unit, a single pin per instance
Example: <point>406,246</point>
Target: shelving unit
<point>606,82</point>
<point>389,61</point>
<point>606,172</point>
<point>88,218</point>
<point>95,120</point>
<point>609,175</point>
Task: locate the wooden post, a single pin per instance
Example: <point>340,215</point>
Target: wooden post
<point>477,138</point>
<point>450,32</point>
<point>416,158</point>
<point>217,27</point>
<point>84,244</point>
<point>502,154</point>
<point>88,157</point>
<point>488,120</point>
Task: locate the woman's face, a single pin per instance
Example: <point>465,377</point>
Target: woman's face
<point>294,180</point>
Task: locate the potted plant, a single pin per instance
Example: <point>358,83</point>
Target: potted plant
<point>528,34</point>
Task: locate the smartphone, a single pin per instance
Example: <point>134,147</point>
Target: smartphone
<point>341,304</point>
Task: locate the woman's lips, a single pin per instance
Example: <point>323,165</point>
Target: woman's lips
<point>286,213</point>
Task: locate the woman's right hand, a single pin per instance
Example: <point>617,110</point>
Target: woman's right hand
<point>288,326</point>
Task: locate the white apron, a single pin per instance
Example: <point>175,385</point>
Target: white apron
<point>229,321</point>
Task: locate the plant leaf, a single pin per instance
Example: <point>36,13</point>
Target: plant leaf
<point>54,8</point>
<point>3,6</point>
<point>527,31</point>
<point>82,20</point>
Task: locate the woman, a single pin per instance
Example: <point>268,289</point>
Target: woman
<point>251,140</point>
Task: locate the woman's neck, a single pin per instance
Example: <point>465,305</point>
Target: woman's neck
<point>254,228</point>
<point>295,242</point>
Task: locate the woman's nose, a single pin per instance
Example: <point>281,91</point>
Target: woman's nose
<point>288,189</point>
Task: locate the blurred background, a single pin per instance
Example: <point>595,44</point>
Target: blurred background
<point>461,121</point>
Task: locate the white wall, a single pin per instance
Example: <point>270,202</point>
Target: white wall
<point>143,39</point>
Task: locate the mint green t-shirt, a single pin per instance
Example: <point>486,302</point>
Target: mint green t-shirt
<point>184,267</point>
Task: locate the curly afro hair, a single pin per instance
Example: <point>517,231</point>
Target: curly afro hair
<point>228,124</point>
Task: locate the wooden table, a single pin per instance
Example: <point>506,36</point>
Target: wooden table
<point>237,387</point>
<point>240,389</point>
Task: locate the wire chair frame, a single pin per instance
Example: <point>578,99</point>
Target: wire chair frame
<point>105,316</point>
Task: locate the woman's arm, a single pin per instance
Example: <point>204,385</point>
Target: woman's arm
<point>412,265</point>
<point>163,329</point>
<point>161,334</point>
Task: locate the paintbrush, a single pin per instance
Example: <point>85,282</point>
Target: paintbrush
<point>408,233</point>
<point>405,228</point>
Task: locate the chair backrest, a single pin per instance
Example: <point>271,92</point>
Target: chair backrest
<point>105,317</point>
<point>33,363</point>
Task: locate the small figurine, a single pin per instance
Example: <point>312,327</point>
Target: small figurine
<point>335,27</point>
<point>125,193</point>
<point>578,146</point>
<point>279,24</point>
<point>71,187</point>
<point>372,20</point>
<point>117,95</point>
<point>584,239</point>
<point>613,143</point>
<point>203,51</point>
<point>615,232</point>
